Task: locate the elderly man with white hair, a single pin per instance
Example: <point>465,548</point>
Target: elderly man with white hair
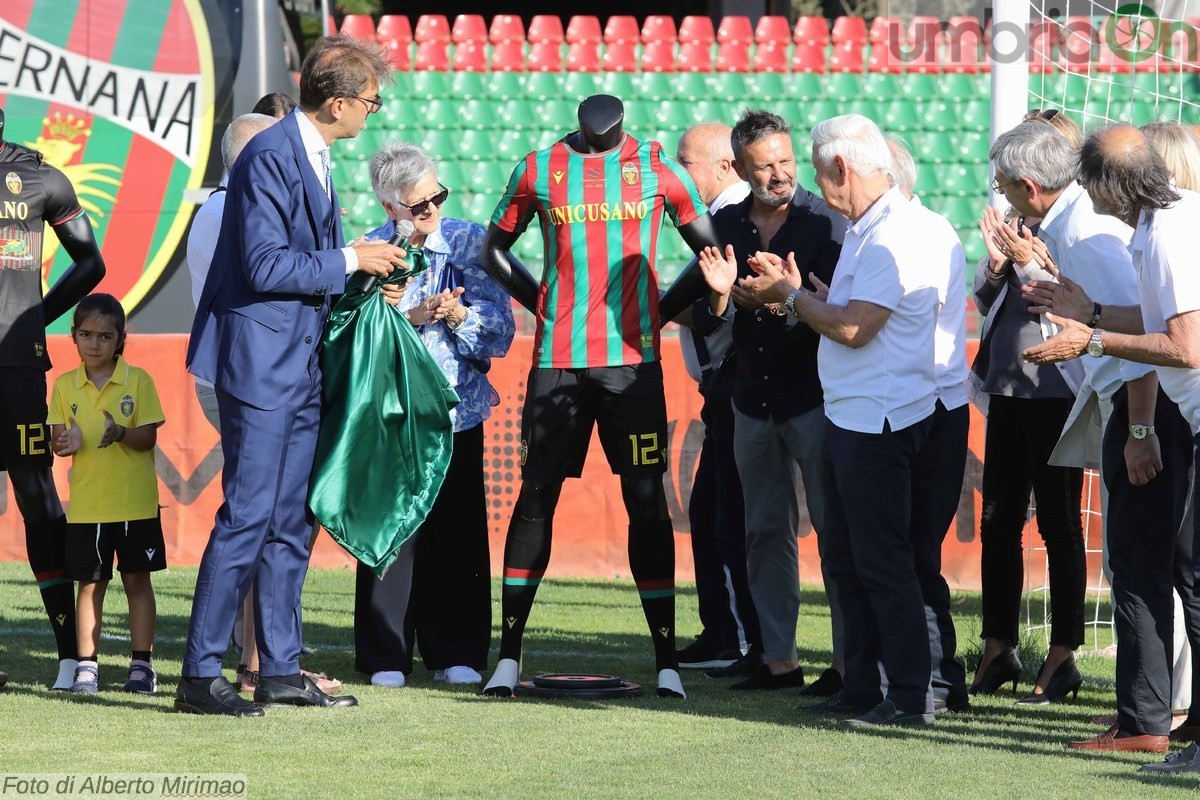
<point>878,326</point>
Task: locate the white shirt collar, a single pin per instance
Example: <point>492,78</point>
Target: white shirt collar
<point>309,137</point>
<point>734,193</point>
<point>1064,201</point>
<point>886,200</point>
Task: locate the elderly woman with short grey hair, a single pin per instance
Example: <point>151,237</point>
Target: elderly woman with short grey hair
<point>437,596</point>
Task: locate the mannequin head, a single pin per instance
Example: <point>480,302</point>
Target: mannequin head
<point>600,118</point>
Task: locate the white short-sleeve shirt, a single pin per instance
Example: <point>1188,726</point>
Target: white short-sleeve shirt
<point>890,259</point>
<point>950,340</point>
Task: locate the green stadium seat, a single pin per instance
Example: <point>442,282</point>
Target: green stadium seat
<point>939,115</point>
<point>486,176</point>
<point>816,111</point>
<point>806,173</point>
<point>480,114</point>
<point>1190,114</point>
<point>365,208</point>
<point>730,86</point>
<point>471,146</point>
<point>972,147</point>
<point>974,249</point>
<point>518,114</point>
<point>804,86</point>
<point>442,113</point>
<point>578,85</point>
<point>352,175</point>
<point>438,142</point>
<point>469,85</point>
<point>361,147</point>
<point>901,116</point>
<point>478,207</point>
<point>556,115</point>
<point>692,86</point>
<point>975,115</point>
<point>958,86</point>
<point>453,174</point>
<point>958,180</point>
<point>679,115</point>
<point>961,212</point>
<point>640,114</point>
<point>455,205</point>
<point>538,86</point>
<point>919,85</point>
<point>870,109</point>
<point>1148,85</point>
<point>935,148</point>
<point>876,86</point>
<point>620,84</point>
<point>430,85</point>
<point>510,146</point>
<point>656,86</point>
<point>768,86</point>
<point>843,86</point>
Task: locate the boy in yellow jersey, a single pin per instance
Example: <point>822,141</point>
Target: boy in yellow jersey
<point>105,414</point>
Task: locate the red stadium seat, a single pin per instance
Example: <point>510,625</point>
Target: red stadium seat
<point>923,28</point>
<point>583,57</point>
<point>432,28</point>
<point>506,28</point>
<point>847,57</point>
<point>468,28</point>
<point>811,30</point>
<point>545,57</point>
<point>620,57</point>
<point>924,54</point>
<point>659,56</point>
<point>470,57</point>
<point>849,29</point>
<point>1043,42</point>
<point>771,57</point>
<point>621,29</point>
<point>359,26</point>
<point>808,57</point>
<point>397,55</point>
<point>963,24</point>
<point>658,28</point>
<point>697,30</point>
<point>773,29</point>
<point>1109,60</point>
<point>694,57</point>
<point>508,56</point>
<point>583,29</point>
<point>885,29</point>
<point>546,28</point>
<point>432,57</point>
<point>733,57</point>
<point>735,29</point>
<point>885,58</point>
<point>394,28</point>
<point>1078,40</point>
<point>961,50</point>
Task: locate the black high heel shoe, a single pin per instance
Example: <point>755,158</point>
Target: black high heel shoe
<point>1066,680</point>
<point>1002,669</point>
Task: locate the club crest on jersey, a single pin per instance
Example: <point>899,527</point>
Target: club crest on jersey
<point>629,173</point>
<point>127,406</point>
<point>12,182</point>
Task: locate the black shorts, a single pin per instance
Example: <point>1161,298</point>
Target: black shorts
<point>24,434</point>
<point>561,405</point>
<point>138,546</point>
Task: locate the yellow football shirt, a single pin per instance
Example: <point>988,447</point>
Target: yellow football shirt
<point>116,483</point>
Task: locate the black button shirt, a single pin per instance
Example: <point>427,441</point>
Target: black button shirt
<point>777,362</point>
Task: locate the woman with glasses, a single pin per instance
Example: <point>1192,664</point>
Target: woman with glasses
<point>437,595</point>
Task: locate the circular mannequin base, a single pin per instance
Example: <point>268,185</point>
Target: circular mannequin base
<point>578,686</point>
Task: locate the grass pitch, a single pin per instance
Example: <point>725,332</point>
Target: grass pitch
<point>429,740</point>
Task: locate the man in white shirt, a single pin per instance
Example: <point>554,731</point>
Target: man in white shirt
<point>1126,179</point>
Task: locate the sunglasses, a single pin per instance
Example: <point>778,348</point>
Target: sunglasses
<point>1037,113</point>
<point>419,209</point>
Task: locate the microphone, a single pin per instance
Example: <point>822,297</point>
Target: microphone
<point>404,229</point>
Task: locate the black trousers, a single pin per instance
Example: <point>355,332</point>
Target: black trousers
<point>872,562</point>
<point>937,487</point>
<point>1144,524</point>
<point>1021,434</point>
<point>437,595</point>
<point>717,516</point>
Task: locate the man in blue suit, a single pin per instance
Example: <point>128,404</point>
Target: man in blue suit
<point>279,261</point>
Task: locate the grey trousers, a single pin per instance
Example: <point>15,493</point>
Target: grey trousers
<point>770,457</point>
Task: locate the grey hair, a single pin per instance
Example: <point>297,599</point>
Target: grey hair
<point>904,170</point>
<point>756,124</point>
<point>397,168</point>
<point>1038,153</point>
<point>856,139</point>
<point>1125,179</point>
<point>238,135</point>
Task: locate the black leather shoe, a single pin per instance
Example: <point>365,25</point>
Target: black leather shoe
<point>1000,670</point>
<point>763,679</point>
<point>274,692</point>
<point>829,684</point>
<point>746,665</point>
<point>839,706</point>
<point>217,698</point>
<point>1065,680</point>
<point>952,705</point>
<point>886,713</point>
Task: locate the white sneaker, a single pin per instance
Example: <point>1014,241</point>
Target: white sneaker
<point>66,674</point>
<point>458,675</point>
<point>391,678</point>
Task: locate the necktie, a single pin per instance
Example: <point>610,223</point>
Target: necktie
<point>328,184</point>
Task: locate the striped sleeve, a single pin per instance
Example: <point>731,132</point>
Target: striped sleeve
<point>516,207</point>
<point>679,192</point>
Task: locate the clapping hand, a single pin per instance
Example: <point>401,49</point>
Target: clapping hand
<point>1070,342</point>
<point>69,440</point>
<point>436,307</point>
<point>774,280</point>
<point>720,271</point>
<point>1066,298</point>
<point>1015,241</point>
<point>111,430</point>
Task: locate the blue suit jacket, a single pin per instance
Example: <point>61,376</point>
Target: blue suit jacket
<point>276,266</point>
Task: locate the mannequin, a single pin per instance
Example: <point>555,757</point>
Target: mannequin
<point>33,486</point>
<point>581,176</point>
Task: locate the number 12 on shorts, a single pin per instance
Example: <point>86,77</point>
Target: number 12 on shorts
<point>33,439</point>
<point>645,448</point>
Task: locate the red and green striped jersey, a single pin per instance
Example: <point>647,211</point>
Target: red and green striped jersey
<point>600,215</point>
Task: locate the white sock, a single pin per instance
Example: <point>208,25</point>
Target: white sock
<point>507,673</point>
<point>66,674</point>
<point>670,684</point>
<point>390,678</point>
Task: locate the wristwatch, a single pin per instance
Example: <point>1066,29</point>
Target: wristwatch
<point>789,305</point>
<point>1095,348</point>
<point>1140,432</point>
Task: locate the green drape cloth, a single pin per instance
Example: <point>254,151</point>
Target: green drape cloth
<point>386,439</point>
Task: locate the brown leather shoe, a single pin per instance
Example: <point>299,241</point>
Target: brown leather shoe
<point>1109,741</point>
<point>325,683</point>
<point>1186,733</point>
<point>3,678</point>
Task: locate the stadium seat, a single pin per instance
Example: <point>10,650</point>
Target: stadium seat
<point>428,85</point>
<point>353,175</point>
<point>811,30</point>
<point>432,28</point>
<point>480,114</point>
<point>918,86</point>
<point>473,146</point>
<point>487,176</point>
<point>656,86</point>
<point>923,28</point>
<point>433,56</point>
<point>729,87</point>
<point>620,84</point>
<point>511,85</point>
<point>621,29</point>
<point>936,148</point>
<point>901,116</point>
<point>518,114</point>
<point>924,57</point>
<point>674,115</point>
<point>768,85</point>
<point>939,115</point>
<point>697,30</point>
<point>359,26</point>
<point>506,28</point>
<point>805,86</point>
<point>508,56</point>
<point>694,57</point>
<point>539,86</point>
<point>849,29</point>
<point>480,206</point>
<point>620,57</point>
<point>770,57</point>
<point>578,85</point>
<point>735,30</point>
<point>1077,43</point>
<point>553,115</point>
<point>691,86</point>
<point>773,29</point>
<point>961,212</point>
<point>659,56</point>
<point>886,29</point>
<point>961,51</point>
<point>583,57</point>
<point>397,55</point>
<point>439,143</point>
<point>469,57</point>
<point>844,87</point>
<point>975,115</point>
<point>442,112</point>
<point>468,28</point>
<point>816,111</point>
<point>870,109</point>
<point>886,58</point>
<point>546,28</point>
<point>584,28</point>
<point>363,146</point>
<point>733,57</point>
<point>453,174</point>
<point>970,148</point>
<point>847,56</point>
<point>469,85</point>
<point>957,86</point>
<point>658,28</point>
<point>545,57</point>
<point>808,57</point>
<point>394,28</point>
